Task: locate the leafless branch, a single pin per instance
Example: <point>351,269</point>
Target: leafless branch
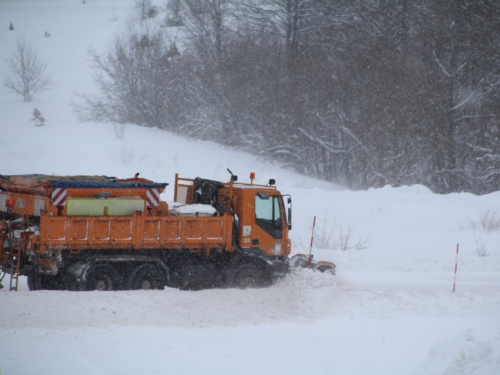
<point>27,72</point>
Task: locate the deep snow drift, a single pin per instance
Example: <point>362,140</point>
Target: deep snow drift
<point>389,310</point>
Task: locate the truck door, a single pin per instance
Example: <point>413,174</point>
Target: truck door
<point>268,214</point>
<point>269,223</point>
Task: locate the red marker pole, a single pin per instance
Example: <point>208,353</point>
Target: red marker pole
<point>309,260</point>
<point>456,266</point>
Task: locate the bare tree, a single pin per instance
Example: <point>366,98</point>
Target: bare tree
<point>207,24</point>
<point>28,74</point>
<point>134,79</point>
<point>360,93</point>
<point>145,9</point>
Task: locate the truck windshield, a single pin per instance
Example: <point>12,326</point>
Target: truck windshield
<point>268,215</point>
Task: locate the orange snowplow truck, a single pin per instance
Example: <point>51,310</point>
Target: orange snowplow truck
<point>104,233</point>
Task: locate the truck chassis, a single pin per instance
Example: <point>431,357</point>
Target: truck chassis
<point>148,249</point>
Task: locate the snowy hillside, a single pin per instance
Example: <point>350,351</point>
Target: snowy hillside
<point>389,310</point>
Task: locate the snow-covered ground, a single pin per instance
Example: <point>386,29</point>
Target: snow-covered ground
<point>389,310</point>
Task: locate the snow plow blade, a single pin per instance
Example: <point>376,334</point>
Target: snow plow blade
<point>302,261</point>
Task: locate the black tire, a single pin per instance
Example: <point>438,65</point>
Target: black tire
<point>43,282</point>
<point>249,276</point>
<point>146,277</point>
<point>102,277</point>
<point>72,285</point>
<point>34,282</point>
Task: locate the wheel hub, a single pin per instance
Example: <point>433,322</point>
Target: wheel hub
<point>102,284</point>
<point>146,284</point>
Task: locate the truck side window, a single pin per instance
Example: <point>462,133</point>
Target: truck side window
<point>268,215</point>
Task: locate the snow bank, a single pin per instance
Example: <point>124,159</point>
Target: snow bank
<point>464,354</point>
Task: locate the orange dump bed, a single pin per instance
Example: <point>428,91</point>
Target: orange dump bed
<point>135,232</point>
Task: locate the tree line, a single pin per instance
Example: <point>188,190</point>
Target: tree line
<point>356,92</point>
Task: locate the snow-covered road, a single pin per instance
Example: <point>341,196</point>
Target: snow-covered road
<point>309,323</point>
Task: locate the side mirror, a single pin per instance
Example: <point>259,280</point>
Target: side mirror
<point>289,217</point>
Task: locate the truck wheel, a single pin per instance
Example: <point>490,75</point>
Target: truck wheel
<point>145,276</point>
<point>249,276</point>
<point>34,282</point>
<point>43,282</point>
<point>102,277</point>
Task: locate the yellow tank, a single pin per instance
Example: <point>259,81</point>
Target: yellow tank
<point>104,207</point>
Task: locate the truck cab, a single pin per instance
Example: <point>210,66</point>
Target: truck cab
<point>262,219</point>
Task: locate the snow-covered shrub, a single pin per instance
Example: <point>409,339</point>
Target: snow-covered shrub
<point>174,17</point>
<point>331,235</point>
<point>38,118</point>
<point>487,221</point>
<point>134,79</point>
<point>119,130</point>
<point>128,156</point>
<point>145,9</point>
